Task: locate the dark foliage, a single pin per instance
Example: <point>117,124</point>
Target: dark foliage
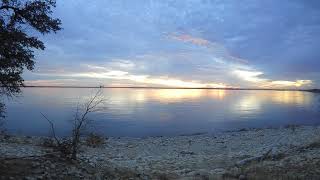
<point>17,18</point>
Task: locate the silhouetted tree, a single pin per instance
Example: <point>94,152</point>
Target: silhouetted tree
<point>18,18</point>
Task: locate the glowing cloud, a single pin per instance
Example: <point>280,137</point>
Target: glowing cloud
<point>252,76</point>
<point>101,75</point>
<point>213,47</point>
<point>239,67</point>
<point>145,79</point>
<point>191,39</point>
<point>181,83</point>
<point>297,83</point>
<point>100,72</point>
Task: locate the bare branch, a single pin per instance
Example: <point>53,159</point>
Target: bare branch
<point>80,122</point>
<point>52,128</point>
<point>69,147</point>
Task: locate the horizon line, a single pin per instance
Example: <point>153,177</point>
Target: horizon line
<point>158,87</point>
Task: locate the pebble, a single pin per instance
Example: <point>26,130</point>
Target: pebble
<point>184,155</point>
<point>242,177</point>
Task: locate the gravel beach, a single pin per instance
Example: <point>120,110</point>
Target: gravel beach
<point>275,153</point>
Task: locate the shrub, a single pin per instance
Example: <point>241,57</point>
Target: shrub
<point>95,140</point>
<point>69,146</point>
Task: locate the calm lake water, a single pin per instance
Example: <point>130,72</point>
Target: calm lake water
<point>156,112</point>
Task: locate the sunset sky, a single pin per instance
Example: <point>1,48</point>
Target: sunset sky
<point>189,43</point>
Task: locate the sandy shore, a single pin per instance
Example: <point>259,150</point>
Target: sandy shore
<point>292,152</point>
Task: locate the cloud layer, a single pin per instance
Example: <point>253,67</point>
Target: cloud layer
<point>188,43</point>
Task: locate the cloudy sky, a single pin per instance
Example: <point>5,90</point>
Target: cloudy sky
<point>189,43</point>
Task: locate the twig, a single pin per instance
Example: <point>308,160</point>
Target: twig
<point>52,128</point>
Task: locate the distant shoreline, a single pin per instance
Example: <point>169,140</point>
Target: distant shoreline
<point>146,87</point>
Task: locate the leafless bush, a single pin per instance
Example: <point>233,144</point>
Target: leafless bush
<point>95,140</point>
<point>69,146</point>
<point>48,142</point>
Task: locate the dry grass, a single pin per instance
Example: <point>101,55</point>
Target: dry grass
<point>95,140</point>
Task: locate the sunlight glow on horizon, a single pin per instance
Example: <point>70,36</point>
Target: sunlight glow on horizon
<point>146,80</point>
<point>243,74</point>
<point>251,76</point>
<point>254,76</point>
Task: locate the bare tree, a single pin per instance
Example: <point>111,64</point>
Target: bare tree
<point>81,120</point>
<point>69,147</point>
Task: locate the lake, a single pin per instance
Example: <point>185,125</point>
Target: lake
<point>161,112</point>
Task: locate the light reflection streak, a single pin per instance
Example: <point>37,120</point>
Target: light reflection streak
<point>170,95</point>
<point>290,97</point>
<point>253,102</point>
<point>127,100</point>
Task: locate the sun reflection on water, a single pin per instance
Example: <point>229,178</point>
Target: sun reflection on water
<point>290,97</point>
<point>176,95</point>
<point>140,110</point>
<point>248,104</point>
<point>253,101</point>
<point>217,94</point>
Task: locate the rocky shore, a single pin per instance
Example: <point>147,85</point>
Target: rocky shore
<point>276,153</point>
